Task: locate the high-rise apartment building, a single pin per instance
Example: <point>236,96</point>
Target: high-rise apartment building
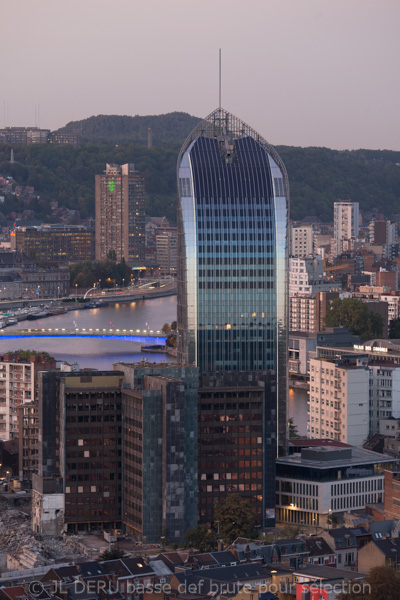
<point>339,401</point>
<point>120,214</point>
<point>17,387</point>
<point>345,225</point>
<point>306,286</point>
<point>166,249</point>
<point>232,300</point>
<point>301,240</point>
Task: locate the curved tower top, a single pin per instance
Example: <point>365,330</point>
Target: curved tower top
<point>222,125</point>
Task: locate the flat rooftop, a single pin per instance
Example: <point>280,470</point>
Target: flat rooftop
<point>359,456</point>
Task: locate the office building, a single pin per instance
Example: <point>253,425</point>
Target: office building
<point>117,448</point>
<point>325,480</point>
<point>24,135</point>
<point>78,486</point>
<point>301,240</point>
<point>54,243</point>
<point>232,288</point>
<point>345,225</point>
<point>339,401</point>
<point>159,404</point>
<point>35,135</point>
<point>120,214</point>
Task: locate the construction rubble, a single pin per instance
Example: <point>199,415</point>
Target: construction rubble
<point>20,548</point>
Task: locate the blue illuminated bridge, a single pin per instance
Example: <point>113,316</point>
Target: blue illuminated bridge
<point>127,335</point>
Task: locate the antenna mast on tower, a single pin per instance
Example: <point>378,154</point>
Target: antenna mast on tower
<point>219,80</point>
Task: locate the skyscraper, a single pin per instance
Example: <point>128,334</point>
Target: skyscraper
<point>232,301</point>
<point>120,214</point>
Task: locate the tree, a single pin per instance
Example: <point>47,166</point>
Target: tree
<point>236,519</point>
<point>111,255</point>
<point>112,554</point>
<point>171,341</point>
<point>174,326</point>
<point>382,583</point>
<point>26,354</point>
<point>394,329</point>
<point>289,532</point>
<point>355,315</point>
<point>202,539</point>
<point>166,328</point>
<point>293,431</point>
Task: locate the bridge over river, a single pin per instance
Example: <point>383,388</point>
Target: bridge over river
<point>128,335</point>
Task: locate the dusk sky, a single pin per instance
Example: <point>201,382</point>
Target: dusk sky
<point>301,72</point>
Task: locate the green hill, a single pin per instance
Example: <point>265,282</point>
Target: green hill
<point>117,129</point>
<point>318,176</point>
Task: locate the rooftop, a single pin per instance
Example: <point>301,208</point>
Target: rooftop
<point>318,459</point>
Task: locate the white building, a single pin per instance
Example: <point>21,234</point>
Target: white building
<point>17,386</point>
<point>393,306</point>
<point>303,314</point>
<point>345,225</point>
<point>301,240</point>
<point>338,401</point>
<point>306,280</point>
<point>306,277</point>
<point>325,480</point>
<point>390,427</point>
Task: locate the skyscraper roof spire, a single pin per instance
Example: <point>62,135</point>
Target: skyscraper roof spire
<point>219,80</point>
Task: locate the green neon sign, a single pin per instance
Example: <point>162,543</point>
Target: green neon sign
<point>112,185</point>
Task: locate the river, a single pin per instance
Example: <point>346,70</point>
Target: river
<point>98,353</point>
<point>101,354</point>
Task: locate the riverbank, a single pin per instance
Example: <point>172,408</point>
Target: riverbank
<point>19,309</point>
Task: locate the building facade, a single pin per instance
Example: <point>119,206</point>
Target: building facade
<point>301,240</point>
<point>55,243</point>
<point>325,480</point>
<point>339,401</point>
<point>78,486</point>
<point>18,377</point>
<point>232,273</point>
<point>166,251</point>
<point>345,225</point>
<point>120,214</point>
<point>159,404</point>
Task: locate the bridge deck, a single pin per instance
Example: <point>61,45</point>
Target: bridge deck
<point>129,335</point>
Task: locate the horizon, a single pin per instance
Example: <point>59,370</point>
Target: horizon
<point>309,74</point>
<point>200,118</point>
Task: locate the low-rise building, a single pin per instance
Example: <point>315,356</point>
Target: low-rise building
<point>380,553</point>
<point>321,481</point>
<point>55,243</point>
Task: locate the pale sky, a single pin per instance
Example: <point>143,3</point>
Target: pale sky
<point>301,72</point>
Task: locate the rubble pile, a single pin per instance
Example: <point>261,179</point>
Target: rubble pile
<point>26,550</point>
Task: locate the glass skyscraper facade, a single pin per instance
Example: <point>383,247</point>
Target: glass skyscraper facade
<point>232,257</point>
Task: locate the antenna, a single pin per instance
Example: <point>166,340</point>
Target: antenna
<point>219,78</point>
